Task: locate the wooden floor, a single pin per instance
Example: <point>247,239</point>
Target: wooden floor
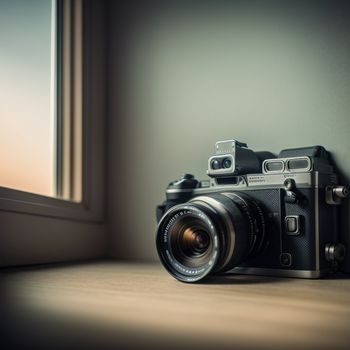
<point>139,306</point>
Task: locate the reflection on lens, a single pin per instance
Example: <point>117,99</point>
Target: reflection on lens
<point>195,242</point>
<point>227,163</point>
<point>215,164</point>
<point>190,241</point>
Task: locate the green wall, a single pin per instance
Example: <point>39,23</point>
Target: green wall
<point>187,76</point>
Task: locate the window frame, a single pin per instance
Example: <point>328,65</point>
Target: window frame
<point>81,103</point>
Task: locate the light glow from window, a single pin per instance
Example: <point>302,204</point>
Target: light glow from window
<point>26,96</point>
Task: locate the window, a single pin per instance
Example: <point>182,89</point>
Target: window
<point>68,225</point>
<point>75,123</point>
<point>26,122</point>
<point>41,121</point>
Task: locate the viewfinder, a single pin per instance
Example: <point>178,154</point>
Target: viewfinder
<point>274,166</point>
<point>301,163</point>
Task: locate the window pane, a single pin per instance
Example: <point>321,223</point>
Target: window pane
<point>26,103</point>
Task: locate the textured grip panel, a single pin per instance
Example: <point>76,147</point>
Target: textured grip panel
<point>302,247</point>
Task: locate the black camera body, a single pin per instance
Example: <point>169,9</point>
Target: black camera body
<point>256,214</point>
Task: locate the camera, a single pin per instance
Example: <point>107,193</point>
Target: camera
<point>255,214</point>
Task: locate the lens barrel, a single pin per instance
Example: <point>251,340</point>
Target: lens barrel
<point>210,234</point>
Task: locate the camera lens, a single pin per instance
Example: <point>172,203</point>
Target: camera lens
<point>215,164</point>
<point>187,242</point>
<point>210,234</point>
<point>227,163</point>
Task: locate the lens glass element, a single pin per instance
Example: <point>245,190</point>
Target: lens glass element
<point>215,164</point>
<point>193,241</point>
<point>227,162</point>
<point>190,241</point>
